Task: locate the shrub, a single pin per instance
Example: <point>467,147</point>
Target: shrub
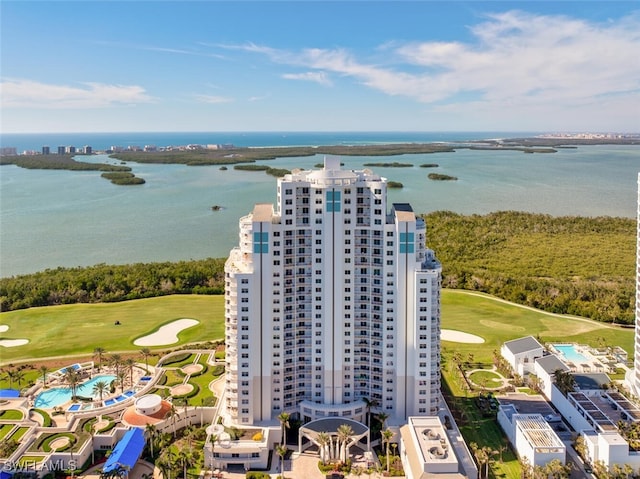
<point>46,419</point>
<point>45,442</point>
<point>190,394</point>
<point>217,370</point>
<point>204,369</point>
<point>176,358</point>
<point>257,437</point>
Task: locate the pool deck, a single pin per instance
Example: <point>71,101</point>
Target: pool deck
<point>112,400</point>
<point>590,361</point>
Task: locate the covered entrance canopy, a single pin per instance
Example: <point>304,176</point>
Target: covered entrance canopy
<point>333,436</point>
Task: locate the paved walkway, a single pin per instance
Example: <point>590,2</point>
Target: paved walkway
<point>302,466</point>
<point>500,382</point>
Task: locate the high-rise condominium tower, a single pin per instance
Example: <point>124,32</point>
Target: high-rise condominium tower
<point>332,298</point>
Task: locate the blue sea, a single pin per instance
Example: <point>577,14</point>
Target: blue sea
<point>104,141</point>
<point>54,218</point>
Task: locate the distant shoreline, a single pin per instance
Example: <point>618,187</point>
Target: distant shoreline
<point>35,144</point>
<point>196,155</point>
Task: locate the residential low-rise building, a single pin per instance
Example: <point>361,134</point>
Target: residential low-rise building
<point>521,354</point>
<point>427,451</point>
<point>531,436</point>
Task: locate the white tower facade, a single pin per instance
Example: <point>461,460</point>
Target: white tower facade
<point>331,298</point>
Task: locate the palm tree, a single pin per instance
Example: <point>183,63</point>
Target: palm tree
<point>185,405</point>
<point>535,383</point>
<point>116,361</point>
<point>8,376</point>
<point>188,433</point>
<point>370,404</point>
<point>323,440</point>
<point>284,417</point>
<point>382,417</point>
<point>387,434</point>
<point>457,359</point>
<point>487,452</point>
<point>166,462</point>
<point>152,432</point>
<point>146,352</point>
<point>100,388</point>
<point>98,353</point>
<point>121,376</point>
<point>72,378</point>
<point>281,451</point>
<point>344,434</point>
<point>171,413</point>
<point>186,456</point>
<point>564,381</point>
<point>130,364</point>
<point>92,433</point>
<point>18,376</point>
<point>470,358</point>
<point>43,370</point>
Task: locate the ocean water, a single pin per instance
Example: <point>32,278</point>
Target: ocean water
<point>103,141</point>
<point>64,218</point>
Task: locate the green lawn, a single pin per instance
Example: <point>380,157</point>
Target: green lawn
<point>4,430</point>
<point>18,433</point>
<point>487,378</point>
<point>496,322</point>
<point>11,415</point>
<point>70,330</point>
<point>78,329</point>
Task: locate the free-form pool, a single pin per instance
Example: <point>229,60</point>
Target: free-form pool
<point>57,396</point>
<point>570,353</point>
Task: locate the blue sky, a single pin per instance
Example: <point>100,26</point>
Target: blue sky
<point>85,66</point>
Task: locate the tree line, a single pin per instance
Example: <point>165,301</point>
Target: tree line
<point>567,265</point>
<point>109,283</point>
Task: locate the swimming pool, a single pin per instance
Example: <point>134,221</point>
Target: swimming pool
<point>570,353</point>
<point>56,396</point>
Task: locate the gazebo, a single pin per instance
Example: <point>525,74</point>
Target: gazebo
<point>333,449</point>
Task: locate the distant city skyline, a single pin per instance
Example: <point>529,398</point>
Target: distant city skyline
<point>101,66</point>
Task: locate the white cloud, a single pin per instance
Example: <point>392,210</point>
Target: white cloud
<point>20,93</point>
<point>213,99</point>
<point>515,59</point>
<point>319,77</point>
<point>259,97</point>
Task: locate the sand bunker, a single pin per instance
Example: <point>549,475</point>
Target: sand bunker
<point>167,334</point>
<point>459,337</point>
<point>11,343</point>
